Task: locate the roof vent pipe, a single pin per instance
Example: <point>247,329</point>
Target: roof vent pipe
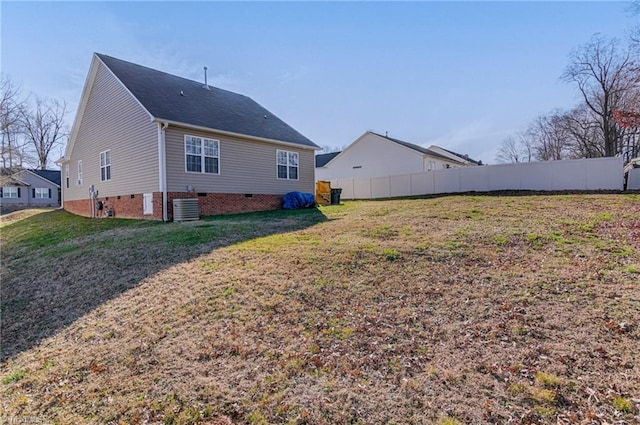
<point>206,86</point>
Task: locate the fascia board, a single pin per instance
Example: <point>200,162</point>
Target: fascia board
<point>84,99</point>
<point>232,134</point>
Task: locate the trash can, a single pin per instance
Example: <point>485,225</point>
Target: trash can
<point>335,195</point>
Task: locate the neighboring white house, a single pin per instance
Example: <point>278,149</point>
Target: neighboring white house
<point>374,155</point>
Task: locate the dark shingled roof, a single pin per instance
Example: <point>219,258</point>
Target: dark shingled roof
<point>324,158</point>
<point>177,99</point>
<point>463,156</point>
<point>51,175</point>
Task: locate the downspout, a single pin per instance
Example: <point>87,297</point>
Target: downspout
<point>61,163</point>
<point>162,167</point>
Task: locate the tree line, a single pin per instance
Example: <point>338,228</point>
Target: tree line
<point>31,128</point>
<point>606,122</point>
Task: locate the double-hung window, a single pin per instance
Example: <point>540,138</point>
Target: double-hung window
<point>287,164</point>
<point>105,165</point>
<point>11,192</point>
<point>201,155</point>
<point>41,192</point>
<point>80,172</point>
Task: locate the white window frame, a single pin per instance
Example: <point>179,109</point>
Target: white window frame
<point>79,182</point>
<point>42,193</point>
<point>10,191</point>
<point>203,152</point>
<point>292,160</point>
<point>105,164</point>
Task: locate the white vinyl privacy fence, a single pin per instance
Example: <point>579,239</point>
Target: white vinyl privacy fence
<point>579,174</point>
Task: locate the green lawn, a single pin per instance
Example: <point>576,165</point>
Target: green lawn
<point>456,309</point>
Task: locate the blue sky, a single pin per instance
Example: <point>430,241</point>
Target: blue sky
<point>462,75</point>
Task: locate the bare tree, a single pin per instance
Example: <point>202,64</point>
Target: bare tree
<point>607,120</point>
<point>583,130</point>
<point>515,149</point>
<point>603,74</point>
<point>509,151</point>
<point>628,115</point>
<point>550,139</point>
<point>634,35</point>
<point>12,108</point>
<point>45,127</point>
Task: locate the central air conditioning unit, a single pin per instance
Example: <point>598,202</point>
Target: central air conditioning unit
<point>186,209</point>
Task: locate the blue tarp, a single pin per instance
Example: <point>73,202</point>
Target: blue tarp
<point>296,200</point>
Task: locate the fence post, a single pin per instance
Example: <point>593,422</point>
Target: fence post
<point>411,184</point>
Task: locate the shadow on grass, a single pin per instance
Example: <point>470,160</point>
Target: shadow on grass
<point>57,267</point>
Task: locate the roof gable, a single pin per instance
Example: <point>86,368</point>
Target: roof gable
<point>12,181</point>
<point>417,148</point>
<point>179,100</point>
<point>82,106</point>
<point>323,160</point>
<point>18,178</point>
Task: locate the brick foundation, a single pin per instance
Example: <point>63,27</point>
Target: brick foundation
<point>123,206</point>
<point>130,206</point>
<point>228,203</point>
<point>79,207</point>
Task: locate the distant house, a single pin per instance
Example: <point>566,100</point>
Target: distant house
<point>632,174</point>
<point>374,155</point>
<point>458,158</point>
<point>30,188</point>
<point>143,138</point>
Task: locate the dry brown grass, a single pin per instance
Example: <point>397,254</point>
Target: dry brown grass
<point>15,216</point>
<point>461,309</point>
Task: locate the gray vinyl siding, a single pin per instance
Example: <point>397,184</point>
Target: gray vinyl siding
<point>26,192</point>
<point>24,199</point>
<point>113,120</point>
<point>246,166</point>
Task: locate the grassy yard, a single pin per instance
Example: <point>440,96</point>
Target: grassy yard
<point>445,310</point>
